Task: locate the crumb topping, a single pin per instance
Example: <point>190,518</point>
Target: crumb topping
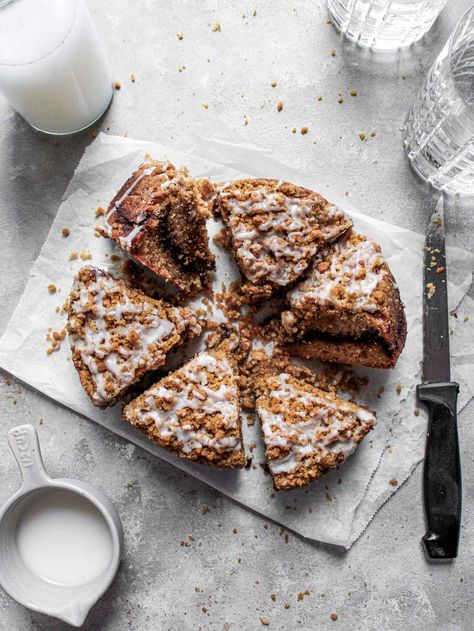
<point>274,234</point>
<point>118,335</point>
<point>198,406</point>
<point>306,427</point>
<point>344,275</point>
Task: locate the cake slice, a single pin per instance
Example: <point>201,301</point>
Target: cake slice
<point>195,411</point>
<point>276,228</point>
<point>117,334</point>
<point>307,431</point>
<point>348,310</point>
<point>159,218</point>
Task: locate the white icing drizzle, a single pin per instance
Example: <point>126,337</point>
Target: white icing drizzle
<point>189,389</point>
<point>112,365</point>
<point>279,246</point>
<point>355,269</point>
<point>325,427</point>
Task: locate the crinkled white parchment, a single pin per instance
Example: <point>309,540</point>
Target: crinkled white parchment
<point>337,508</point>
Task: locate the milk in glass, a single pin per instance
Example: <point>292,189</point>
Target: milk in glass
<point>53,67</point>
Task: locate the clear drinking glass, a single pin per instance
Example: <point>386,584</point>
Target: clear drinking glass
<point>384,24</point>
<point>53,67</point>
<point>439,130</point>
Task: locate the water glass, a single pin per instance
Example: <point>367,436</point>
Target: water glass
<point>439,130</point>
<point>384,24</point>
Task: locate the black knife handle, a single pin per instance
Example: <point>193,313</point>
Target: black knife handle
<point>442,470</point>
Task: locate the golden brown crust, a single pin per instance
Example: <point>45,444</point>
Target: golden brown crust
<point>275,227</point>
<point>159,217</point>
<point>195,411</point>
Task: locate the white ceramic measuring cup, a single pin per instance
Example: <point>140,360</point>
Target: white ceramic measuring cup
<point>70,601</point>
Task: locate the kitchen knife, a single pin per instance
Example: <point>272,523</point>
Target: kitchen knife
<point>442,468</point>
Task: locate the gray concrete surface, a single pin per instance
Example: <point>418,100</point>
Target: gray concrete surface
<point>223,579</point>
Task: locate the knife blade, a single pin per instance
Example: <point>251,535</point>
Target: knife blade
<point>442,467</point>
<point>436,364</point>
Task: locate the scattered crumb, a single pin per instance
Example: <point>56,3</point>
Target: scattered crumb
<point>440,270</point>
<point>265,621</point>
<point>274,84</point>
<point>293,130</point>
<point>204,609</point>
<point>273,597</point>
<point>333,52</point>
<point>117,85</point>
<point>466,318</point>
<point>180,36</point>
<point>320,98</point>
<point>304,130</point>
<point>205,509</point>
<point>254,12</point>
<point>205,105</point>
<point>399,389</point>
<point>373,134</point>
<point>416,412</point>
<point>431,290</point>
<point>393,482</point>
<point>334,616</point>
<point>301,595</point>
<point>287,605</point>
<point>93,134</point>
<point>52,289</point>
<point>353,92</point>
<point>216,28</point>
<point>65,232</point>
<point>132,78</point>
<point>340,99</point>
<point>362,135</point>
<point>85,256</point>
<point>279,106</point>
<point>99,212</point>
<point>73,256</point>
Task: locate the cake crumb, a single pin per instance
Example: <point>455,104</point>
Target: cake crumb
<point>205,106</point>
<point>353,92</point>
<point>287,605</point>
<point>416,412</point>
<point>52,289</point>
<point>304,131</point>
<point>340,99</point>
<point>320,98</point>
<point>334,616</point>
<point>85,256</point>
<point>65,232</point>
<point>273,597</point>
<point>117,85</point>
<point>362,135</point>
<point>99,212</point>
<point>393,482</point>
<point>216,28</point>
<point>333,52</point>
<point>431,290</point>
<point>301,595</point>
<point>132,78</point>
<point>73,256</point>
<point>399,389</point>
<point>180,36</point>
<point>373,134</point>
<point>265,621</point>
<point>293,130</point>
<point>274,84</point>
<point>279,106</point>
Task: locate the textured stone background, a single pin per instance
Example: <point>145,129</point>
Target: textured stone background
<point>383,583</point>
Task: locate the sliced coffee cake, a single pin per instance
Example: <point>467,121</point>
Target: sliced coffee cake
<point>276,228</point>
<point>195,411</point>
<point>348,310</point>
<point>159,217</point>
<point>307,431</point>
<point>117,334</point>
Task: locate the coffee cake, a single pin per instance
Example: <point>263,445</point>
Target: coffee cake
<point>307,431</point>
<point>348,310</point>
<point>195,411</point>
<point>117,334</point>
<point>159,218</point>
<point>276,228</point>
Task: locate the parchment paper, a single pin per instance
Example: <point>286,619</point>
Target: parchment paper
<point>337,508</point>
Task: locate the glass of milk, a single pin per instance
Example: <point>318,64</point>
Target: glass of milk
<point>53,66</point>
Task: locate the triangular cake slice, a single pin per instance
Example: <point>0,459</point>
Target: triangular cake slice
<point>348,310</point>
<point>117,334</point>
<point>276,228</point>
<point>195,411</point>
<point>159,218</point>
<point>307,431</point>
